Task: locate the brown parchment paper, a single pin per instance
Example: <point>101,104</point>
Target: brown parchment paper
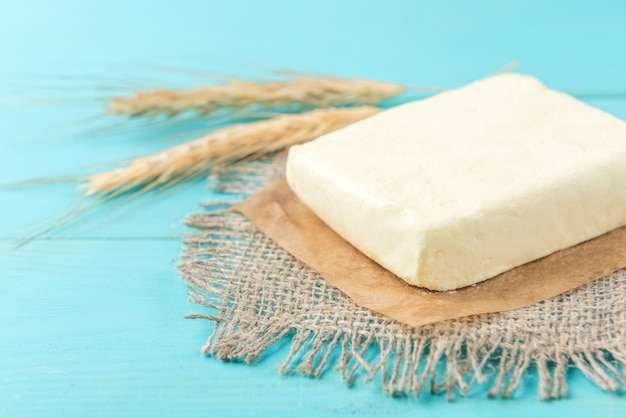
<point>278,213</point>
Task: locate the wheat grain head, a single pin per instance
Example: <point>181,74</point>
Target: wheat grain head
<point>222,146</point>
<point>307,92</point>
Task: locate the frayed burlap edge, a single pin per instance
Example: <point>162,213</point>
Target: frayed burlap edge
<point>257,294</point>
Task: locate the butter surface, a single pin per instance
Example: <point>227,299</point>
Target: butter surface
<point>455,189</point>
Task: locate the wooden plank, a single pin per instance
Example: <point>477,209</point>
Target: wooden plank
<point>97,328</point>
<point>92,324</point>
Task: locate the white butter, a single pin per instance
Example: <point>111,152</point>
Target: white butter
<point>455,189</point>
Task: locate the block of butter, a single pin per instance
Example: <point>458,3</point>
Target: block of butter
<point>455,189</point>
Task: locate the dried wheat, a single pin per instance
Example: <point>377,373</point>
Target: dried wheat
<point>307,92</point>
<point>224,145</point>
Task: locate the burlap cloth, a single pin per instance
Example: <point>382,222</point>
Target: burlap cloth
<point>255,293</point>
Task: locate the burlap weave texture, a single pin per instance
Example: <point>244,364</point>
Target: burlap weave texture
<point>256,293</point>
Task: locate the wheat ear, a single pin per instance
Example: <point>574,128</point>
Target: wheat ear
<point>308,92</point>
<point>222,146</point>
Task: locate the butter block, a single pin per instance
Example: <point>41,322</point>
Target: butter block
<point>455,189</point>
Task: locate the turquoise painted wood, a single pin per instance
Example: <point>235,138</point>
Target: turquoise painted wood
<point>91,318</point>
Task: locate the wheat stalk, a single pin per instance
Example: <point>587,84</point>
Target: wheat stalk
<point>222,146</point>
<point>308,92</point>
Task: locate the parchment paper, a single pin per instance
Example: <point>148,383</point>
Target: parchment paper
<point>277,212</point>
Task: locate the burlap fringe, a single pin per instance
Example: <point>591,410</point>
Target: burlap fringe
<point>256,294</point>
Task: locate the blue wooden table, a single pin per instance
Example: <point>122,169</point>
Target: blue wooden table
<point>91,318</point>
